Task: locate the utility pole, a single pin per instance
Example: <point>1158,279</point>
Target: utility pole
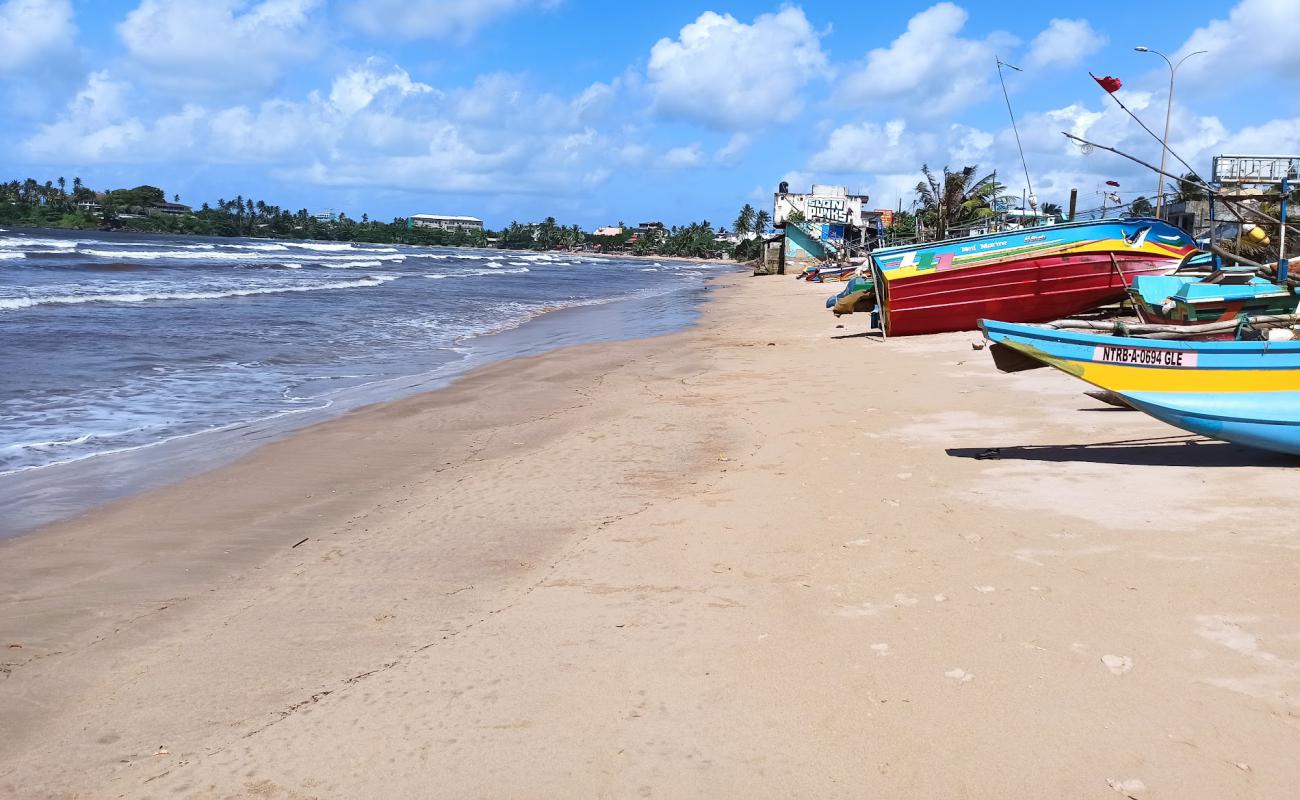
<point>1169,107</point>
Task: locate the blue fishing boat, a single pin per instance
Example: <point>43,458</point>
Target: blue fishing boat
<point>1222,296</point>
<point>1247,392</point>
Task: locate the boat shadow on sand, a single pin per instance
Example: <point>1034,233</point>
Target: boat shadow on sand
<point>1185,450</point>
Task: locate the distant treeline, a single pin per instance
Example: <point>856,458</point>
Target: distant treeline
<point>55,204</point>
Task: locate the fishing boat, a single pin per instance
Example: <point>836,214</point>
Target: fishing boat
<point>1028,275</point>
<point>1247,392</point>
<point>1222,296</point>
<point>857,296</point>
<point>823,273</point>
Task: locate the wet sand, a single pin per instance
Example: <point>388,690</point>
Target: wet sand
<point>757,558</point>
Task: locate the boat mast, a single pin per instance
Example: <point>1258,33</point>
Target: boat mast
<point>1029,187</point>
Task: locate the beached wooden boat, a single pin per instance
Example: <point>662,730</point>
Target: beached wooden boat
<point>1221,296</point>
<point>825,273</point>
<point>1029,275</point>
<point>1246,392</point>
<point>858,296</point>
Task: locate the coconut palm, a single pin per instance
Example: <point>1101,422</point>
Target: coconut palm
<point>761,220</point>
<point>744,220</point>
<point>955,199</point>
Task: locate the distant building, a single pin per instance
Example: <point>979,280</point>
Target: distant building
<point>328,215</point>
<point>168,210</point>
<point>608,230</point>
<point>445,222</point>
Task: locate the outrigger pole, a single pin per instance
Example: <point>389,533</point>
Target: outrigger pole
<point>1033,200</point>
<point>1210,190</point>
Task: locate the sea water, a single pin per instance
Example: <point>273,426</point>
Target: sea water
<point>114,343</point>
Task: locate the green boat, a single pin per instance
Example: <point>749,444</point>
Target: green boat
<point>858,296</point>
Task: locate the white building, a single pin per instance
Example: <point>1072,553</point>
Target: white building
<point>446,222</point>
<point>824,204</point>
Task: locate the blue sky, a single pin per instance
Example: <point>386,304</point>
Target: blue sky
<point>599,112</point>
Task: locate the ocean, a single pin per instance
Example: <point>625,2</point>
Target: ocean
<point>114,344</point>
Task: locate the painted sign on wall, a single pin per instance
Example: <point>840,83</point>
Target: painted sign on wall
<point>827,209</point>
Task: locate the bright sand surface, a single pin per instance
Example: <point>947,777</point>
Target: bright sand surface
<point>754,559</point>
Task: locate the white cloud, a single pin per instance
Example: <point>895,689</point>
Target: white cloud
<point>726,74</point>
<point>867,147</point>
<point>375,127</point>
<point>356,88</point>
<point>204,45</point>
<point>1064,43</point>
<point>929,66</point>
<point>433,19</point>
<point>734,149</point>
<point>870,147</point>
<point>1257,40</point>
<point>30,29</point>
<point>683,157</point>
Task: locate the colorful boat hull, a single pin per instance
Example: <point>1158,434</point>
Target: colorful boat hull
<point>1174,300</point>
<point>1031,275</point>
<point>1242,392</point>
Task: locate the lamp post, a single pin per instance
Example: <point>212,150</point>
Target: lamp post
<point>1169,107</point>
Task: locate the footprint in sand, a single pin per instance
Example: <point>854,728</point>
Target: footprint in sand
<point>1118,665</point>
<point>907,600</point>
<point>960,675</point>
<point>984,589</point>
<point>882,649</point>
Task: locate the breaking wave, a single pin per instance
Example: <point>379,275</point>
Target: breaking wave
<point>14,303</point>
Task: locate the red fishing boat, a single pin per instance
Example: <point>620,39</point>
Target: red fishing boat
<point>1029,275</point>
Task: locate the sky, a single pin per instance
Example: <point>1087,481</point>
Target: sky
<point>598,112</point>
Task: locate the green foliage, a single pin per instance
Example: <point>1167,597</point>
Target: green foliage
<point>138,199</point>
<point>29,203</point>
<point>744,220</point>
<point>1051,210</point>
<point>903,228</point>
<point>1186,189</point>
<point>956,199</point>
<point>1140,207</point>
<point>50,205</point>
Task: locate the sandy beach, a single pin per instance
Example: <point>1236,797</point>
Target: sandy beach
<point>758,558</point>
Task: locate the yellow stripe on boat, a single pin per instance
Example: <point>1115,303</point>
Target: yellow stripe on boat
<point>1128,378</point>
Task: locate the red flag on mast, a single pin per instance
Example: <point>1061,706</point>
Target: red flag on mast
<point>1111,85</point>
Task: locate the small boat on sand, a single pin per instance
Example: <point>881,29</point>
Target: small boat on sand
<point>1028,275</point>
<point>857,296</point>
<point>1222,296</point>
<point>824,273</point>
<point>1247,392</point>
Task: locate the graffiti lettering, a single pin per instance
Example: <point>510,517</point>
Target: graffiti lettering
<point>826,209</point>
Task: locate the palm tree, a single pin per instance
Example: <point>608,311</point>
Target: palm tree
<point>1051,210</point>
<point>1140,207</point>
<point>1187,189</point>
<point>744,220</point>
<point>957,199</point>
<point>761,220</point>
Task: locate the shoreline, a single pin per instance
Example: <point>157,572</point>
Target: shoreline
<point>585,253</point>
<point>755,557</point>
<point>34,497</point>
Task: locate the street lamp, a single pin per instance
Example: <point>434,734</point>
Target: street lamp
<point>1169,107</point>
